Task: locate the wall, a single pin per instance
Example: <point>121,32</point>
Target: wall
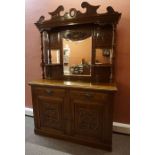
<point>36,8</point>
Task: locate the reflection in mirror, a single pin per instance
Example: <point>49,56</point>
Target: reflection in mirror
<point>55,56</point>
<point>103,56</point>
<point>77,56</point>
<point>45,45</point>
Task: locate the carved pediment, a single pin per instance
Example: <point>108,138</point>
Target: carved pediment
<point>74,16</point>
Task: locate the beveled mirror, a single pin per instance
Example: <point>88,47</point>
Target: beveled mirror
<point>77,56</point>
<point>55,56</point>
<point>103,56</point>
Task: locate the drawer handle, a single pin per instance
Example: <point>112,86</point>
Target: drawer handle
<point>88,95</point>
<point>49,92</point>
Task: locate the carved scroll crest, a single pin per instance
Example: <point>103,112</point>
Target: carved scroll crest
<point>74,16</point>
<point>73,13</point>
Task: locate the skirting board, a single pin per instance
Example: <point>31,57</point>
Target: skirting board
<point>117,127</point>
<point>28,111</point>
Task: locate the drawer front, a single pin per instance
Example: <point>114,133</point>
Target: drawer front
<point>89,95</point>
<point>49,91</point>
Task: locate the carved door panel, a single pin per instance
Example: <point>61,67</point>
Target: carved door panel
<point>87,119</point>
<point>51,113</point>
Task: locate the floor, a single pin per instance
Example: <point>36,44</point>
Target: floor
<point>40,145</point>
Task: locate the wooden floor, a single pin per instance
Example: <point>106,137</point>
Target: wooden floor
<point>39,145</point>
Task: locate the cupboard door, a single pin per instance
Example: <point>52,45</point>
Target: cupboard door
<point>51,113</point>
<point>88,119</point>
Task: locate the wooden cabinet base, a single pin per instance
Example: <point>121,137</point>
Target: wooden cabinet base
<point>74,140</point>
<point>77,112</point>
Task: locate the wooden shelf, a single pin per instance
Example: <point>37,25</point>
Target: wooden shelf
<point>53,64</point>
<point>102,65</point>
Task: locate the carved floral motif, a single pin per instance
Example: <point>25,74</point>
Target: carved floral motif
<point>50,115</point>
<point>88,119</point>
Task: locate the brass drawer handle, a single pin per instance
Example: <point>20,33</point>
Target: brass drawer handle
<point>49,92</point>
<point>88,95</point>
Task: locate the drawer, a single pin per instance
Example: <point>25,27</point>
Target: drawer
<point>89,95</point>
<point>49,91</point>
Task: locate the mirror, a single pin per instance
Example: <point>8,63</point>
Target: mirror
<point>55,56</point>
<point>77,56</point>
<point>103,56</point>
<point>45,42</point>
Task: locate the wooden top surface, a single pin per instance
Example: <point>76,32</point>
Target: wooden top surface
<point>75,84</point>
